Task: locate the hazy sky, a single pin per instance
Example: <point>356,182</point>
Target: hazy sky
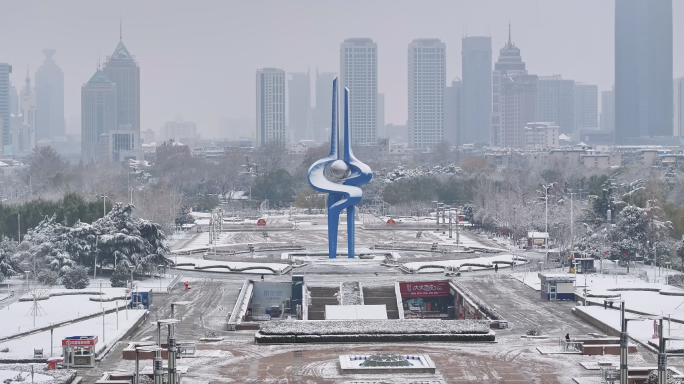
<point>198,58</point>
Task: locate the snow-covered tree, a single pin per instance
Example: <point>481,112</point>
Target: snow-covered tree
<point>120,276</point>
<point>8,265</point>
<point>76,278</point>
<point>132,241</point>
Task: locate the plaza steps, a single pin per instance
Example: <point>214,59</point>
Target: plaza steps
<point>320,297</point>
<point>382,295</point>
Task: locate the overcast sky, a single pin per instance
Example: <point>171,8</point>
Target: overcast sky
<point>198,58</point>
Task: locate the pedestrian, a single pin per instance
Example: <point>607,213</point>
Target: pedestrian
<point>187,285</point>
<point>262,277</point>
<point>567,337</point>
<point>496,268</point>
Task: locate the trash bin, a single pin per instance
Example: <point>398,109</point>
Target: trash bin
<point>452,312</point>
<point>53,361</point>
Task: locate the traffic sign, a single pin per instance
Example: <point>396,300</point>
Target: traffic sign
<point>391,222</point>
<point>261,223</point>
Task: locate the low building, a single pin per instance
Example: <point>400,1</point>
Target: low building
<point>124,144</point>
<point>541,135</point>
<point>539,239</point>
<point>557,286</point>
<point>595,161</point>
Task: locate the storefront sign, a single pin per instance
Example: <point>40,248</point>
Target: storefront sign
<point>89,341</point>
<point>424,289</point>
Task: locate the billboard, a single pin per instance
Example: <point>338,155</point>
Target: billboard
<point>424,289</point>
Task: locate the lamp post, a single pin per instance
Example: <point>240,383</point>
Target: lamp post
<point>448,208</point>
<point>104,205</point>
<point>160,266</point>
<point>624,339</point>
<point>546,214</point>
<point>436,214</point>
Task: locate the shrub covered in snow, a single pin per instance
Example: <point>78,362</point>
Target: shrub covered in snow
<point>119,276</point>
<point>48,277</point>
<point>76,278</point>
<point>653,378</point>
<point>342,327</point>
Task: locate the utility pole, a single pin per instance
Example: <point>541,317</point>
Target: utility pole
<point>572,224</point>
<point>19,226</point>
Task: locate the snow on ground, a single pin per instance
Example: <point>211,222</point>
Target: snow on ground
<point>485,260</point>
<point>465,240</point>
<point>230,264</point>
<point>37,377</point>
<point>17,317</point>
<point>639,294</point>
<point>22,348</point>
<point>641,330</point>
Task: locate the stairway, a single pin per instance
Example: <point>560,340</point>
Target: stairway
<point>381,295</point>
<point>320,297</point>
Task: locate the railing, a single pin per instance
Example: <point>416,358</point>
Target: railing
<point>174,282</point>
<point>240,307</point>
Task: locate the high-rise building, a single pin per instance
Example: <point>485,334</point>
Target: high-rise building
<point>426,78</point>
<point>323,111</point>
<point>586,106</point>
<point>643,69</point>
<point>608,110</point>
<point>555,102</point>
<point>25,135</point>
<point>270,101</point>
<point>184,132</point>
<point>380,116</point>
<point>678,129</point>
<point>452,112</point>
<point>514,97</point>
<point>299,106</point>
<point>5,70</point>
<point>519,104</point>
<point>123,70</point>
<point>359,73</point>
<point>476,91</point>
<point>14,100</point>
<point>49,98</point>
<point>98,116</point>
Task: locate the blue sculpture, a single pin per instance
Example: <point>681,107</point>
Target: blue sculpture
<point>349,170</point>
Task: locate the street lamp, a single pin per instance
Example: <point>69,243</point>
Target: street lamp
<point>624,339</point>
<point>546,213</point>
<point>104,205</point>
<point>28,288</point>
<point>448,208</point>
<point>436,203</point>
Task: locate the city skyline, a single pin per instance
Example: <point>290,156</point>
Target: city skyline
<point>175,54</point>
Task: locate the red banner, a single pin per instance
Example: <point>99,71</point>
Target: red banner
<point>424,289</point>
<point>88,341</point>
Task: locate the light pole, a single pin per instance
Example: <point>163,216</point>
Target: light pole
<point>436,214</point>
<point>448,208</point>
<point>160,266</point>
<point>28,288</point>
<point>546,214</point>
<point>572,223</point>
<point>104,205</point>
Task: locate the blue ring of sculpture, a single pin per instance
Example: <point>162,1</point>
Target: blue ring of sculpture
<point>345,195</point>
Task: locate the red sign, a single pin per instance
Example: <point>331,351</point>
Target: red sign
<point>89,341</point>
<point>424,289</point>
<point>391,222</point>
<point>261,223</point>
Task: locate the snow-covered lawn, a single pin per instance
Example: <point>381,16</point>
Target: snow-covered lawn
<point>485,260</point>
<point>221,265</point>
<point>22,348</point>
<point>17,317</point>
